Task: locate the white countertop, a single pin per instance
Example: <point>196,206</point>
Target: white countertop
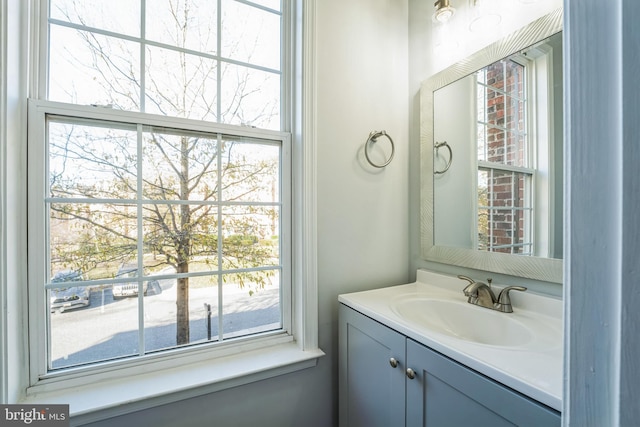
<point>534,370</point>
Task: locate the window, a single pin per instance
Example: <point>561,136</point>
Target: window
<point>163,224</point>
<point>505,164</point>
<point>160,180</point>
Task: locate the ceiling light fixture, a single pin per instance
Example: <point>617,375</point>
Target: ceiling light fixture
<point>444,11</point>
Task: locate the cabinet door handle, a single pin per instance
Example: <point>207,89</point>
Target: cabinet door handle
<point>411,374</point>
<point>393,362</point>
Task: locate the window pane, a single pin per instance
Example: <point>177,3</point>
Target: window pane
<point>481,101</point>
<point>516,150</point>
<point>87,68</point>
<point>119,16</point>
<point>92,160</point>
<point>180,84</point>
<point>271,4</point>
<point>251,237</point>
<point>183,237</point>
<point>167,326</point>
<point>501,225</point>
<point>515,115</point>
<point>93,239</point>
<point>251,303</point>
<point>185,24</point>
<point>250,97</point>
<point>495,145</point>
<point>250,171</point>
<point>514,79</point>
<point>482,142</point>
<point>250,35</point>
<point>504,212</point>
<point>495,108</point>
<point>481,75</point>
<point>483,229</point>
<point>495,77</point>
<point>179,165</point>
<point>105,329</point>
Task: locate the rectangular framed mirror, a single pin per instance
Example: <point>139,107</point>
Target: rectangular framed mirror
<point>491,157</point>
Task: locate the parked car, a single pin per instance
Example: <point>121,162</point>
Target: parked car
<point>129,289</point>
<point>62,299</point>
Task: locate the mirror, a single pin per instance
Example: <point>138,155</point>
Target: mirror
<point>491,157</point>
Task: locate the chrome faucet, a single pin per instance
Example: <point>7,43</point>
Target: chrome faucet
<point>480,294</point>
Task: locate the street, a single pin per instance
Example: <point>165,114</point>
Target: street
<point>108,327</point>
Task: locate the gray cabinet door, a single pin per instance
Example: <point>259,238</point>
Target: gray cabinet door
<point>445,393</point>
<point>372,392</point>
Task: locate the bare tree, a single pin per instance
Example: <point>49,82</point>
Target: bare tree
<point>181,178</point>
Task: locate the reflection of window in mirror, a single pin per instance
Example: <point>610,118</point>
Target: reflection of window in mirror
<point>511,139</point>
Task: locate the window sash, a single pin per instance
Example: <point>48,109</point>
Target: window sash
<point>504,123</point>
<point>282,73</point>
<point>526,210</point>
<point>37,197</point>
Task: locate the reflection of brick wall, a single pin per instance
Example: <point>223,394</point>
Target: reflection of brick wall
<point>505,145</point>
<point>507,225</point>
<point>505,113</point>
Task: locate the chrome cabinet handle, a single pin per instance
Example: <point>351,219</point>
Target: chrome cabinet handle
<point>393,362</point>
<point>411,373</point>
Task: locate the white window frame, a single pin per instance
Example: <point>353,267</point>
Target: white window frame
<point>38,110</point>
<point>112,393</point>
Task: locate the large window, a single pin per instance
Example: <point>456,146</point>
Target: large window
<point>160,188</point>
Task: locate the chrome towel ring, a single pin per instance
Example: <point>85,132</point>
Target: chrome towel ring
<point>448,165</point>
<point>373,137</point>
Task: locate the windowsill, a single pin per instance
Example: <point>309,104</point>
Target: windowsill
<point>111,398</point>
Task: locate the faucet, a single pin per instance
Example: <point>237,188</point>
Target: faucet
<point>480,294</point>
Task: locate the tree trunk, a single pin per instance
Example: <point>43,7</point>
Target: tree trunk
<point>183,249</point>
<point>182,305</point>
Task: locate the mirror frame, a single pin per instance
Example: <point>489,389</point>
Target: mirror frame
<point>545,269</point>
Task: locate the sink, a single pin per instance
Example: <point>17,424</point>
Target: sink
<point>464,321</point>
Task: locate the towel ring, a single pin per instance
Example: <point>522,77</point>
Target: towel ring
<point>373,137</point>
<point>448,165</point>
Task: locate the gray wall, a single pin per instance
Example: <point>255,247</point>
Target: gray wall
<point>362,212</point>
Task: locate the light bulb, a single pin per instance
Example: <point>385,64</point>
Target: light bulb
<point>444,11</point>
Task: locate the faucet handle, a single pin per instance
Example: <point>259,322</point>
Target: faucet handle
<point>504,300</point>
<point>468,279</point>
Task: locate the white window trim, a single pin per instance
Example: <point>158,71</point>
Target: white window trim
<point>542,80</point>
<point>4,369</point>
<point>39,377</point>
<point>105,399</point>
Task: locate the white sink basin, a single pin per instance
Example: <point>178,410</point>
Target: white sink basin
<point>464,321</point>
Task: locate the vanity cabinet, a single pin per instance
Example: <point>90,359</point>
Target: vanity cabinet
<point>387,379</point>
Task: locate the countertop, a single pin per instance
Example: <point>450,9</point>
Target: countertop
<point>534,370</point>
